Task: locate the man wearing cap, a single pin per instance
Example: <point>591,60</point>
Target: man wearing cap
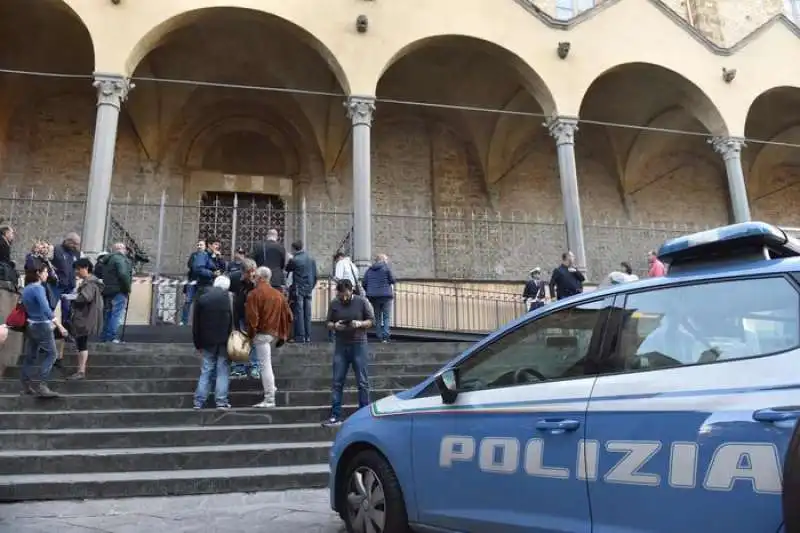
<point>534,292</point>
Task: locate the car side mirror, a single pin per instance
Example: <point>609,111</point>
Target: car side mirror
<point>448,384</point>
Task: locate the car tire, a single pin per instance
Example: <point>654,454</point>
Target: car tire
<point>366,478</point>
<point>791,484</point>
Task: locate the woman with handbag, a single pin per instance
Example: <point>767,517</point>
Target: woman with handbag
<point>39,337</point>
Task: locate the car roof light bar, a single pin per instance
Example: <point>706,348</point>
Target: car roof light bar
<point>736,243</point>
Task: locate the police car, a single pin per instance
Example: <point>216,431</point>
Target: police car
<point>666,405</point>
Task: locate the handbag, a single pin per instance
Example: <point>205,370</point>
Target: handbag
<point>239,344</point>
<point>17,319</point>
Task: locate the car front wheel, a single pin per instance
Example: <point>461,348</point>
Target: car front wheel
<point>372,501</point>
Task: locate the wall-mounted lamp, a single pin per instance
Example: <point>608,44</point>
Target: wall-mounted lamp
<point>116,2</point>
<point>563,49</point>
<point>728,75</point>
<point>362,23</point>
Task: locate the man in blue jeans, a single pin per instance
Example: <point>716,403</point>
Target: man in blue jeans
<point>349,316</point>
<point>211,325</point>
<point>303,268</point>
<point>117,277</point>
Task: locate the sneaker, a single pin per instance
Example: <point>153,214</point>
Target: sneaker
<point>44,392</point>
<point>27,389</point>
<point>255,374</point>
<point>223,407</point>
<point>116,341</point>
<point>77,376</point>
<point>265,404</point>
<point>332,422</point>
<point>197,407</point>
<point>238,374</point>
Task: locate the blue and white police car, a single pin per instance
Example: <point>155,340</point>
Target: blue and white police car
<point>667,405</point>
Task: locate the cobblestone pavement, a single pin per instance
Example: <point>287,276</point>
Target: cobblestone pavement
<point>301,511</point>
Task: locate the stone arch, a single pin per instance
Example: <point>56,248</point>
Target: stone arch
<point>214,131</point>
<point>673,86</point>
<point>507,137</point>
<point>773,180</point>
<point>157,35</point>
<point>532,81</point>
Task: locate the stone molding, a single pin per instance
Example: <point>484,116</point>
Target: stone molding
<point>549,20</point>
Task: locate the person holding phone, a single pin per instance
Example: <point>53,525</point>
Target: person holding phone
<point>349,317</point>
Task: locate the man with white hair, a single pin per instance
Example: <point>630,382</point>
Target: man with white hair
<point>212,324</point>
<point>269,323</point>
<point>272,255</point>
<point>117,279</point>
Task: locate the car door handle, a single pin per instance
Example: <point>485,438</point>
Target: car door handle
<point>777,414</point>
<point>558,425</point>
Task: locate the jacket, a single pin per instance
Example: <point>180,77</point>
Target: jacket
<point>117,274</point>
<point>213,321</point>
<point>272,255</point>
<point>303,268</point>
<point>203,267</point>
<point>8,269</point>
<point>565,283</point>
<point>63,262</point>
<point>378,281</point>
<point>267,312</point>
<point>87,309</point>
<point>240,289</point>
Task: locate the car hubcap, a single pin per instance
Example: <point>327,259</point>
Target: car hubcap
<point>366,501</point>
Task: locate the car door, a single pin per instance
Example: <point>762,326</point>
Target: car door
<point>689,424</point>
<point>505,456</point>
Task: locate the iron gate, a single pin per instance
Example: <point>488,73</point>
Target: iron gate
<point>240,220</point>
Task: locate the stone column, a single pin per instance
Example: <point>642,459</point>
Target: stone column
<point>730,148</point>
<point>360,110</point>
<point>563,131</point>
<point>302,208</point>
<point>111,92</point>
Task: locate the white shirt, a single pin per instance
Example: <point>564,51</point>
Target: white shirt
<point>345,269</point>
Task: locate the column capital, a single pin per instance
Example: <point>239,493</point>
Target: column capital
<point>562,129</point>
<point>112,89</point>
<point>360,110</point>
<point>728,147</point>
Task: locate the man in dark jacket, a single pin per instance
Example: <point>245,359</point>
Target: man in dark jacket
<point>272,255</point>
<point>303,268</point>
<point>117,278</point>
<point>190,289</point>
<point>212,324</point>
<point>566,280</point>
<point>242,283</point>
<point>64,257</point>
<point>207,266</point>
<point>379,284</point>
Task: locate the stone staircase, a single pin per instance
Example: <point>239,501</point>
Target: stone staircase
<point>130,430</point>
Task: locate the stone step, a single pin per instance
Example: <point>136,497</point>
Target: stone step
<point>140,459</point>
<point>131,418</point>
<point>279,358</point>
<point>327,347</point>
<point>160,483</point>
<point>193,371</point>
<point>163,436</point>
<point>146,386</point>
<point>170,400</point>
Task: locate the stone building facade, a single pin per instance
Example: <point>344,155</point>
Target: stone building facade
<point>422,136</point>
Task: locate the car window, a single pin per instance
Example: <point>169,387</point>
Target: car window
<point>548,348</point>
<point>706,323</point>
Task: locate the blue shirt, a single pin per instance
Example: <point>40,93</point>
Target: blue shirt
<point>34,299</point>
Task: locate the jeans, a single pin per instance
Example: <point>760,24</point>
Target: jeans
<point>383,317</point>
<point>344,355</point>
<point>218,365</point>
<point>114,313</point>
<point>245,367</point>
<point>38,338</point>
<point>263,348</point>
<point>302,318</point>
<point>187,303</point>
